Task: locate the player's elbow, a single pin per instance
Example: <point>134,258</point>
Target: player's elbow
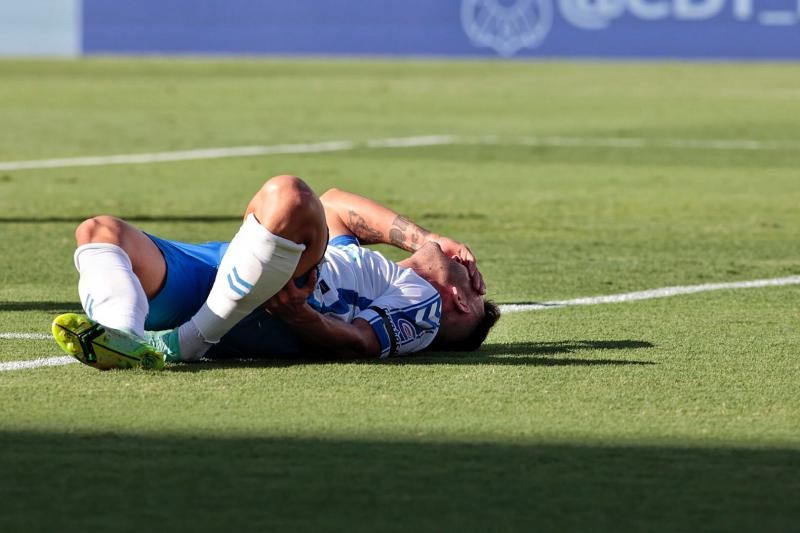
<point>329,197</point>
<point>359,349</point>
<point>371,349</point>
<point>363,343</point>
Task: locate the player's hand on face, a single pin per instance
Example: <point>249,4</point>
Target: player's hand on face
<point>291,300</point>
<point>461,253</point>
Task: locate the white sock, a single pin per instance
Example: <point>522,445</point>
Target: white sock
<point>191,342</point>
<point>255,267</point>
<point>110,292</point>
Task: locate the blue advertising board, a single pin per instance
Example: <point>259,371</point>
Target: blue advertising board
<point>683,29</point>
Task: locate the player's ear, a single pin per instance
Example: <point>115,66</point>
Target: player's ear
<point>458,299</point>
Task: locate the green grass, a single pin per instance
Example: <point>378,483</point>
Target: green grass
<point>676,414</point>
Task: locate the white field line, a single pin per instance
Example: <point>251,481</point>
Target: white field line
<point>632,142</point>
<point>399,142</point>
<point>410,142</point>
<point>181,155</point>
<point>24,336</point>
<point>37,363</point>
<point>663,292</point>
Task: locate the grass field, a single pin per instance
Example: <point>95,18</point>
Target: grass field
<point>677,414</point>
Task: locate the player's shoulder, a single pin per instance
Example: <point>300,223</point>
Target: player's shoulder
<point>344,241</point>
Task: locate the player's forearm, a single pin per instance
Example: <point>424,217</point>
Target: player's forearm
<point>328,335</point>
<point>373,223</point>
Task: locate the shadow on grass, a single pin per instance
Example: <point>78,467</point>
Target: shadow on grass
<point>51,307</point>
<point>559,347</point>
<point>518,353</point>
<point>536,354</point>
<point>74,482</point>
<point>129,218</point>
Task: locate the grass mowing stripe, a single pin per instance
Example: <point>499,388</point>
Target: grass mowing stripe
<point>398,142</point>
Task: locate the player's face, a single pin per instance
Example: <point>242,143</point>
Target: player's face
<point>460,276</point>
<point>451,273</point>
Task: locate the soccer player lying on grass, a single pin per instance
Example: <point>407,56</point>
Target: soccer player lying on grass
<point>294,280</point>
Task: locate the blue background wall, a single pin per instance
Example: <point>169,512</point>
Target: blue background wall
<point>275,26</point>
<point>715,29</point>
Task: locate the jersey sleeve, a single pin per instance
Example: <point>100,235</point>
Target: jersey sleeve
<point>406,318</point>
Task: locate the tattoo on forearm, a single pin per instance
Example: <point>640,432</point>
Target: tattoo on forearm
<point>407,235</point>
<point>401,222</point>
<point>362,229</point>
<point>397,237</point>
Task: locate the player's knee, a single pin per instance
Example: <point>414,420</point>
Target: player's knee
<point>287,206</point>
<point>288,190</point>
<point>101,228</point>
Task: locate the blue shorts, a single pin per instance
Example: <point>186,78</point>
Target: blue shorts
<point>191,270</point>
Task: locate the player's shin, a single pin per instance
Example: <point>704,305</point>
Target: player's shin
<point>256,265</point>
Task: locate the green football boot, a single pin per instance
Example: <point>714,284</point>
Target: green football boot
<point>101,347</point>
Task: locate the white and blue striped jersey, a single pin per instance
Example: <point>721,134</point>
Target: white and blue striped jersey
<point>403,309</point>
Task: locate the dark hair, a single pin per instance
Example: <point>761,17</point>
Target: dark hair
<point>473,341</point>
